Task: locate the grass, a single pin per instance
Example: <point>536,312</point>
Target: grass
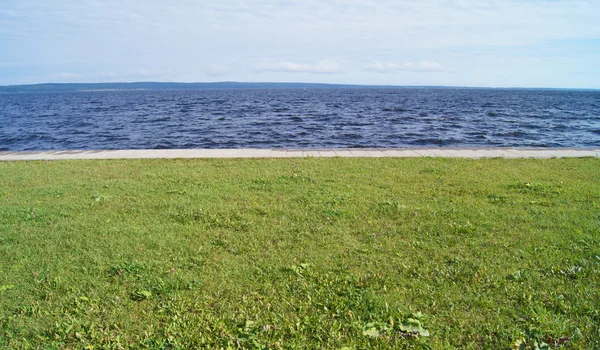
<point>342,253</point>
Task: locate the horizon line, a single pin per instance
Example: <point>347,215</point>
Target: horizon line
<point>301,83</point>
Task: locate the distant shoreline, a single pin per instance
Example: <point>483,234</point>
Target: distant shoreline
<point>134,86</point>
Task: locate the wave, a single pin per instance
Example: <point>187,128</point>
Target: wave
<point>295,118</point>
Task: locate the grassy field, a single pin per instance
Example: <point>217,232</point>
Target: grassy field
<point>342,253</point>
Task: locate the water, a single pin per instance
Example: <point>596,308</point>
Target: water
<point>314,118</point>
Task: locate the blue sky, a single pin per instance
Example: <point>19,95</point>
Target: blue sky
<point>496,43</point>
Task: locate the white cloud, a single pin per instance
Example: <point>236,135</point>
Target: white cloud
<point>322,67</point>
<point>141,74</point>
<point>217,71</point>
<point>390,67</point>
<point>65,77</point>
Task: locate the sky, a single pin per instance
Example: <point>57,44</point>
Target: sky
<point>487,43</point>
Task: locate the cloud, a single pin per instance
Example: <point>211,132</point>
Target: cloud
<point>322,67</point>
<point>217,71</point>
<point>389,67</point>
<point>140,74</point>
<point>65,77</point>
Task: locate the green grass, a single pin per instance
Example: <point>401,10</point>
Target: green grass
<point>302,253</point>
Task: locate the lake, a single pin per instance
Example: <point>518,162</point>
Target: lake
<point>299,118</point>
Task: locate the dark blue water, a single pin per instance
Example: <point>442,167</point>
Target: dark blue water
<point>300,118</point>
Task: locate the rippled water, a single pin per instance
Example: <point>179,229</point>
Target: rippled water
<point>399,117</point>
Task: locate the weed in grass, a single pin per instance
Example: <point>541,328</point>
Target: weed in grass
<point>5,287</point>
<point>140,295</point>
<point>127,268</point>
<point>538,189</point>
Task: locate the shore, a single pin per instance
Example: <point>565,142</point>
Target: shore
<point>473,153</point>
